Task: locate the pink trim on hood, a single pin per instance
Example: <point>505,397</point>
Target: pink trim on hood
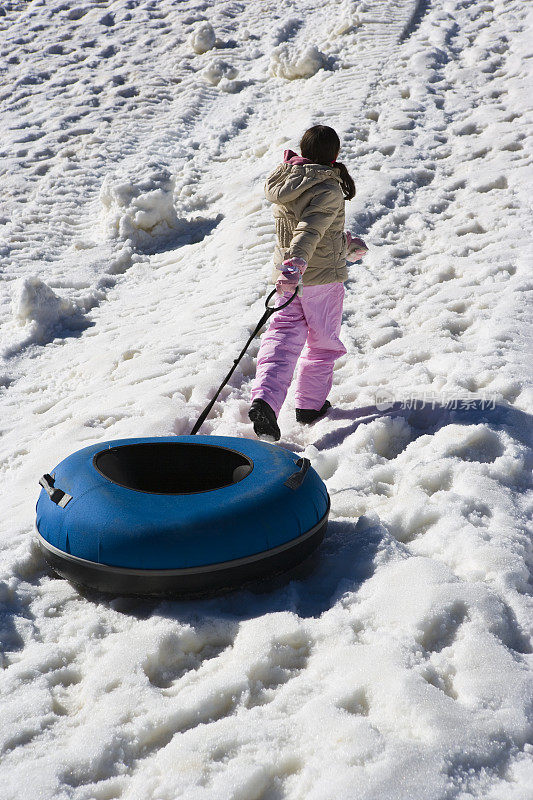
<point>290,157</point>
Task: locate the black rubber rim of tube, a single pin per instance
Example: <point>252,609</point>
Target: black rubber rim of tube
<point>184,582</point>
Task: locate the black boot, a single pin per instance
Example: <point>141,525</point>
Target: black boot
<point>309,415</point>
<point>264,419</point>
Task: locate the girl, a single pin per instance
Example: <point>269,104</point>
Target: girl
<point>308,193</point>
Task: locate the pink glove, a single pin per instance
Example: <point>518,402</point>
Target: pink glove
<point>356,248</point>
<point>292,270</point>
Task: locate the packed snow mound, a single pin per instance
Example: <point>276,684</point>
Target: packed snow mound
<point>203,38</point>
<point>217,70</point>
<point>348,18</point>
<point>292,62</point>
<point>348,23</point>
<point>37,305</point>
<point>139,210</point>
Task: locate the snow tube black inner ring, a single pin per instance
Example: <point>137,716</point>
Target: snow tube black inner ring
<point>168,468</point>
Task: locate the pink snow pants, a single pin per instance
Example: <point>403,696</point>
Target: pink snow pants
<point>313,320</point>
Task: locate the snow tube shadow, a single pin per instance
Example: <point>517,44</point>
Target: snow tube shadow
<point>181,515</point>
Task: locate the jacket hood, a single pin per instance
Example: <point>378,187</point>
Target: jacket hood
<point>295,176</point>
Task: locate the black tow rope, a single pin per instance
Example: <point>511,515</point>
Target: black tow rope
<point>266,316</point>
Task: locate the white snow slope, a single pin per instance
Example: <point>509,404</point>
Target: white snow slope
<point>136,247</point>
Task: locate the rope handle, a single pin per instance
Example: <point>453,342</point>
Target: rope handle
<point>273,309</point>
<point>266,316</point>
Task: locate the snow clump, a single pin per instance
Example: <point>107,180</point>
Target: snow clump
<point>203,38</point>
<point>346,20</point>
<point>139,210</point>
<point>218,69</point>
<point>289,62</point>
<point>36,304</point>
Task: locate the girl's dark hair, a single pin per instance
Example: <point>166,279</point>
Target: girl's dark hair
<point>321,145</point>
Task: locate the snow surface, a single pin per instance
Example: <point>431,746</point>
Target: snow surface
<point>136,247</point>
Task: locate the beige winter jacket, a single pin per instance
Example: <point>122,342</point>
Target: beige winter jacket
<point>309,217</point>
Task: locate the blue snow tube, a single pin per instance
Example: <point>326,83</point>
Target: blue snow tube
<point>179,515</point>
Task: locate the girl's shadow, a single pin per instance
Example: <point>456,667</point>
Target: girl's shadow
<point>429,416</point>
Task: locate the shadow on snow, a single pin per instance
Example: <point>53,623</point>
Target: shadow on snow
<point>347,556</point>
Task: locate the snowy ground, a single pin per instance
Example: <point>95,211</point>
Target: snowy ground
<point>136,250</point>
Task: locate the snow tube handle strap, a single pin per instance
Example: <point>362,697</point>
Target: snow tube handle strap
<point>56,495</point>
<point>297,478</point>
<point>273,309</point>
